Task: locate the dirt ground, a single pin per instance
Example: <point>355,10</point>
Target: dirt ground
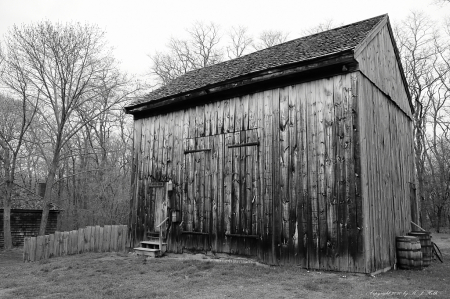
<point>125,275</point>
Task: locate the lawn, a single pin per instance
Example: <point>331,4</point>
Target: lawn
<point>123,275</point>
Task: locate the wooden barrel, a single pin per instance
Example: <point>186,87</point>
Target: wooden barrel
<point>426,247</point>
<point>409,254</point>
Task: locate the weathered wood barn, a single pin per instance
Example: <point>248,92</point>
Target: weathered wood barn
<point>297,154</point>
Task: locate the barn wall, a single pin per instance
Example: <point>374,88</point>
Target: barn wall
<point>25,223</point>
<point>377,61</point>
<point>387,169</point>
<point>293,199</point>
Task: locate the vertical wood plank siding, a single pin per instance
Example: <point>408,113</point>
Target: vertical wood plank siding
<point>386,150</point>
<point>387,169</point>
<point>293,189</point>
<point>379,63</point>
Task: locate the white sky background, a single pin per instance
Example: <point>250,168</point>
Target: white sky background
<point>136,28</point>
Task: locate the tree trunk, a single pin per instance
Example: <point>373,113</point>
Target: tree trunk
<point>7,201</point>
<point>7,237</point>
<point>419,187</point>
<point>48,196</point>
<point>439,219</point>
<point>448,218</point>
<point>430,216</point>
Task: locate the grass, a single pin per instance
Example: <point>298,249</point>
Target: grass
<point>119,275</point>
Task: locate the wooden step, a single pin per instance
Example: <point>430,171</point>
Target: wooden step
<point>154,245</point>
<point>152,242</point>
<point>154,239</point>
<point>147,251</point>
<point>152,234</point>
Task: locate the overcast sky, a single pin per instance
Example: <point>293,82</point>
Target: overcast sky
<point>136,28</point>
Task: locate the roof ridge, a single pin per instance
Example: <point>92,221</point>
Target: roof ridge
<point>286,42</point>
<point>351,24</point>
<point>299,50</point>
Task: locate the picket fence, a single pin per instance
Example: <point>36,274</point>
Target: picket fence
<point>92,238</point>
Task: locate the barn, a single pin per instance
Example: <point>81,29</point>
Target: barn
<point>301,153</point>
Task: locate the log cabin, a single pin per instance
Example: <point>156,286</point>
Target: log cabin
<point>26,214</point>
<point>299,154</point>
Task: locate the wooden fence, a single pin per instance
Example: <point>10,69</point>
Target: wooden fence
<point>91,238</point>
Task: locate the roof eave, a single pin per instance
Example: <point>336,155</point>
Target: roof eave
<point>339,57</point>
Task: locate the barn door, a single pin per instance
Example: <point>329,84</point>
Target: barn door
<point>196,208</point>
<point>221,202</point>
<point>241,196</point>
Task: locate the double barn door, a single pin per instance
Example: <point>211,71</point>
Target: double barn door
<point>220,198</point>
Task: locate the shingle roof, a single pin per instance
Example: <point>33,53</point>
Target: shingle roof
<point>24,199</point>
<point>294,51</point>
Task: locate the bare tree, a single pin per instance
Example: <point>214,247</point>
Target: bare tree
<point>16,117</point>
<point>204,44</point>
<point>240,42</point>
<point>165,68</point>
<point>441,2</point>
<point>438,134</point>
<point>437,181</point>
<point>415,38</point>
<point>328,24</point>
<point>270,38</point>
<point>201,49</point>
<point>68,66</point>
<point>204,47</point>
<point>93,182</point>
<point>2,59</point>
